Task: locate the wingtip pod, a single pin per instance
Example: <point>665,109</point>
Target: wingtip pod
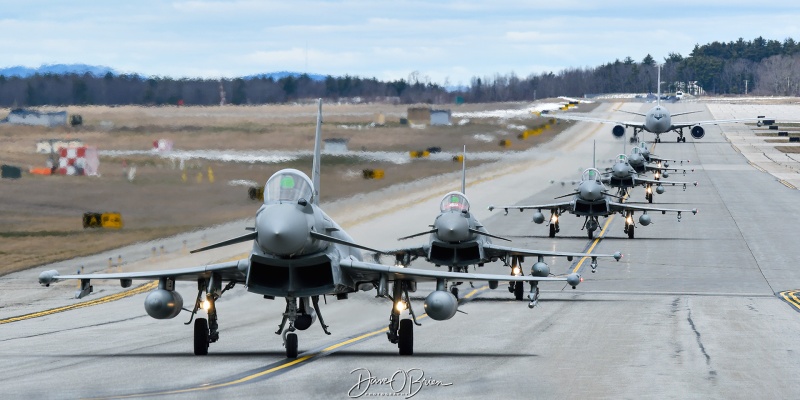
<point>618,256</point>
<point>48,277</point>
<point>574,279</point>
<point>491,208</point>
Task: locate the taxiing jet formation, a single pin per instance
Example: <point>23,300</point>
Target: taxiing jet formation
<point>299,253</point>
<point>592,201</point>
<point>457,239</point>
<point>658,120</point>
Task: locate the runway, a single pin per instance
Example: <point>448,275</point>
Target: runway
<point>704,307</point>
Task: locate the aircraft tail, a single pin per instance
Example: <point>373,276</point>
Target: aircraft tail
<point>594,154</point>
<point>315,169</point>
<point>658,94</point>
<point>464,171</point>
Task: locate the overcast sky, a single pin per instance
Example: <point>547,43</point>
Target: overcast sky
<point>445,41</point>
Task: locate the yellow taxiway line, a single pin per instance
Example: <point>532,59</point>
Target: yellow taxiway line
<point>790,296</point>
<point>106,299</point>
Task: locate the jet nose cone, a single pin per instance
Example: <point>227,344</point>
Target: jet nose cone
<point>452,228</point>
<point>619,170</point>
<point>282,229</point>
<point>591,192</point>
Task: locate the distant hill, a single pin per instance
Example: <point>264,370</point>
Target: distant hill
<point>56,69</point>
<point>99,70</point>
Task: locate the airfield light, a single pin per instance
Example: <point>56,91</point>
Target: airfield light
<point>206,305</point>
<point>401,306</point>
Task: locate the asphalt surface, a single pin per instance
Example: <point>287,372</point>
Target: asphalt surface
<point>691,311</point>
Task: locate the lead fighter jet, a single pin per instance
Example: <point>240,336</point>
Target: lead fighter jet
<point>299,253</point>
<point>457,239</point>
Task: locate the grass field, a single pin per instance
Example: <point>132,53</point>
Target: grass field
<point>41,216</point>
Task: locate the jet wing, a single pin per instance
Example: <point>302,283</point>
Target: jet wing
<point>563,206</point>
<point>712,122</point>
<point>231,271</point>
<point>365,271</point>
<point>492,250</point>
<point>627,124</point>
<point>623,207</point>
<point>645,181</point>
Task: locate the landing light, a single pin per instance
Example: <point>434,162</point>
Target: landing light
<point>554,218</point>
<point>629,220</point>
<point>649,190</point>
<point>515,271</point>
<point>401,306</point>
<point>206,305</point>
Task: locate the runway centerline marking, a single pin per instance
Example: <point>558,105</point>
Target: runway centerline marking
<point>282,366</point>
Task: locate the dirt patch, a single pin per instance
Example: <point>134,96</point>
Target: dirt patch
<point>41,216</point>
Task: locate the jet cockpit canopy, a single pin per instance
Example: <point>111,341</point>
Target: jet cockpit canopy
<point>591,174</point>
<point>454,201</point>
<point>287,186</point>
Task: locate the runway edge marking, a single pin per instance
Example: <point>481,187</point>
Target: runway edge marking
<point>106,299</point>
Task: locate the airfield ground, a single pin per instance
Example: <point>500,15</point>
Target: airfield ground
<point>41,216</point>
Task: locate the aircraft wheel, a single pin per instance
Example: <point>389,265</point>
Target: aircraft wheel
<point>454,291</point>
<point>630,232</point>
<point>406,339</point>
<point>291,345</point>
<point>200,337</point>
<point>552,230</point>
<point>519,291</point>
<point>649,197</point>
<point>590,234</point>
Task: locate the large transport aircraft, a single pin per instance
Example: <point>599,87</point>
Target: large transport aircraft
<point>658,120</point>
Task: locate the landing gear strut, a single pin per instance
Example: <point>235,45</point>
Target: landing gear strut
<point>554,225</point>
<point>206,331</point>
<point>300,318</point>
<point>401,330</point>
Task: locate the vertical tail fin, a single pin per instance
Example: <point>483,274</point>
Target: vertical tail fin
<point>464,171</point>
<point>315,169</point>
<point>658,96</point>
<point>594,154</point>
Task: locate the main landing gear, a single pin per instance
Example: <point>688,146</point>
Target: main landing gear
<point>300,316</point>
<point>554,225</point>
<point>206,331</point>
<point>629,225</point>
<point>401,327</point>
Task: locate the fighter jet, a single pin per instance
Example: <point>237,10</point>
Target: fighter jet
<point>458,240</point>
<point>623,176</point>
<point>658,120</point>
<point>640,160</point>
<point>592,200</point>
<point>299,253</point>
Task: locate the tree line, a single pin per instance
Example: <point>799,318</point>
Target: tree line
<point>769,67</point>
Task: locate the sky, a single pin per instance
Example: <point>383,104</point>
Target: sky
<point>440,41</point>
